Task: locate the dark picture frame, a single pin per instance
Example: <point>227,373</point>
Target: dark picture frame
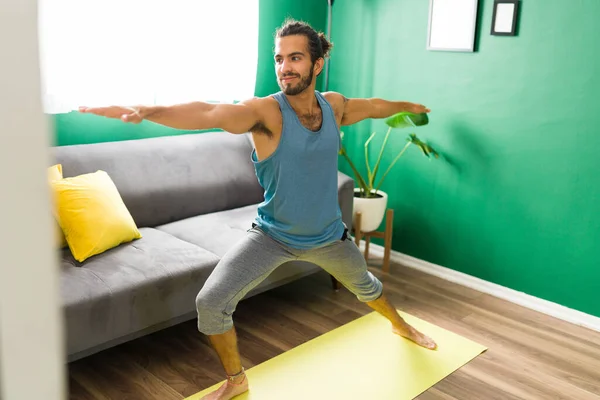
<point>504,21</point>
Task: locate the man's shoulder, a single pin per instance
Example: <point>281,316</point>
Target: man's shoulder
<point>335,98</point>
<point>267,112</point>
<point>262,105</point>
<point>261,102</point>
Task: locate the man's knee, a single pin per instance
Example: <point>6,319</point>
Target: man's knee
<point>369,289</point>
<point>213,318</point>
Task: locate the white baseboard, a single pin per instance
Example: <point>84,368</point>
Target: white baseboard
<point>502,292</point>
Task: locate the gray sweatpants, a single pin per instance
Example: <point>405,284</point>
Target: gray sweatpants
<point>252,259</point>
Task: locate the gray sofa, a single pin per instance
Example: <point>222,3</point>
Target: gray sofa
<point>192,197</point>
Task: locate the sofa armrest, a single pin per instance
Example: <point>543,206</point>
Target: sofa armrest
<point>346,198</point>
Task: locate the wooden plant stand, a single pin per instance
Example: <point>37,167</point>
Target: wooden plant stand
<point>386,235</point>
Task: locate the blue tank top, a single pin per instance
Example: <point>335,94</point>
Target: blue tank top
<point>300,181</point>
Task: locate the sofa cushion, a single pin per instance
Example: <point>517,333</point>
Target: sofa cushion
<point>218,232</point>
<point>215,232</point>
<point>165,179</point>
<point>131,287</point>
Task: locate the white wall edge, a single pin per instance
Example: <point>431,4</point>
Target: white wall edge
<point>534,303</point>
<point>32,344</point>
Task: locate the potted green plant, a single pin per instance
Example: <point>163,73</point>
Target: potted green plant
<point>368,198</point>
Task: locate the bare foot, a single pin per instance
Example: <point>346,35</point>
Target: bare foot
<point>412,334</point>
<point>229,389</point>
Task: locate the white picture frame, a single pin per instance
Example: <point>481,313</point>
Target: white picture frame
<point>452,25</point>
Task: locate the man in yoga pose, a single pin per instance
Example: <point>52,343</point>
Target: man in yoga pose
<point>296,135</point>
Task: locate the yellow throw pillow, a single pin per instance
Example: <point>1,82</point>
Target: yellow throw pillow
<point>92,214</point>
<point>55,173</point>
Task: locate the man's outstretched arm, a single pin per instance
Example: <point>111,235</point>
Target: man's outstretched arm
<point>356,110</point>
<point>234,118</point>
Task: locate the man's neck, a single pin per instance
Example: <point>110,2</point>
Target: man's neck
<point>304,103</point>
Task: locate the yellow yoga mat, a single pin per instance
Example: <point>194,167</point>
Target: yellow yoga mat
<point>360,360</point>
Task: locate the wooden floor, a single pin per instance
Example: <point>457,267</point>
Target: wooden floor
<point>530,356</point>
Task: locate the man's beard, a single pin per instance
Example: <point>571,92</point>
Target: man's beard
<point>300,87</point>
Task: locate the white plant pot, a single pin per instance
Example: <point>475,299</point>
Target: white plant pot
<point>372,210</point>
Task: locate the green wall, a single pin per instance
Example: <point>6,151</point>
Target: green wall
<point>76,128</point>
<point>515,201</point>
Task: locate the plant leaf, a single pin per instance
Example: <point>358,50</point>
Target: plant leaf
<point>407,119</point>
<point>425,148</point>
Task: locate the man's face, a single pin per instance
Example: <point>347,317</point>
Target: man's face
<point>293,66</point>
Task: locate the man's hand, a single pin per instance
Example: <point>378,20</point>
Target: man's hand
<point>126,114</point>
<point>416,108</point>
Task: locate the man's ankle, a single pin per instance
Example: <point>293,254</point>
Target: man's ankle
<point>237,379</point>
